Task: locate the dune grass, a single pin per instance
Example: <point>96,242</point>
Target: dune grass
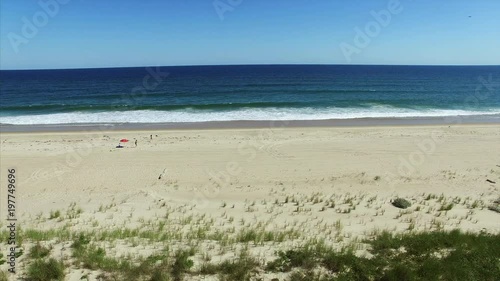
<point>436,255</point>
<point>423,256</point>
<point>45,270</point>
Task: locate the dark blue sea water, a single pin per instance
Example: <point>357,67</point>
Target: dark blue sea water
<point>259,92</point>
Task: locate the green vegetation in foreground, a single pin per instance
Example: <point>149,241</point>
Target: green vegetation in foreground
<point>424,256</point>
<point>41,270</point>
<point>412,256</point>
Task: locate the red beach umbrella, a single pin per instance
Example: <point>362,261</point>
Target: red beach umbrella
<point>124,140</point>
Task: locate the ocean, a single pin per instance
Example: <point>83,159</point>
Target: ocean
<point>252,92</point>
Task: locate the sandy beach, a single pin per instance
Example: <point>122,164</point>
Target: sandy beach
<point>330,183</point>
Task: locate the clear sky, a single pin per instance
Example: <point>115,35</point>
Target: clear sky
<point>119,33</point>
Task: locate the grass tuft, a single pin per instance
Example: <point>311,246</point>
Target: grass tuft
<point>38,251</point>
<point>49,270</point>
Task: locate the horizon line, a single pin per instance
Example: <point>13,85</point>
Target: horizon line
<point>256,64</point>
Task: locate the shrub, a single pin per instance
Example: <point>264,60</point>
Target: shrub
<point>49,270</point>
<point>286,261</point>
<point>399,273</point>
<point>209,269</point>
<point>439,256</point>
<point>240,269</point>
<point>38,251</point>
<point>350,267</point>
<point>19,253</point>
<point>160,275</point>
<point>80,242</point>
<point>182,264</point>
<point>436,255</point>
<point>247,236</point>
<point>54,215</point>
<point>309,275</point>
<point>446,207</point>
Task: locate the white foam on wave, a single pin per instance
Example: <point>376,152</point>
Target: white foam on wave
<point>150,116</point>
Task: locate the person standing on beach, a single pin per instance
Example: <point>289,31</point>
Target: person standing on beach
<point>135,143</point>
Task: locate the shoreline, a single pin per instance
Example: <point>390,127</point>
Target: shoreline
<point>260,124</point>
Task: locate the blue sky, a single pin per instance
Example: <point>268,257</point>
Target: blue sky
<point>119,33</point>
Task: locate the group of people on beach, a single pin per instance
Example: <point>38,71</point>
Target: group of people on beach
<point>135,142</point>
